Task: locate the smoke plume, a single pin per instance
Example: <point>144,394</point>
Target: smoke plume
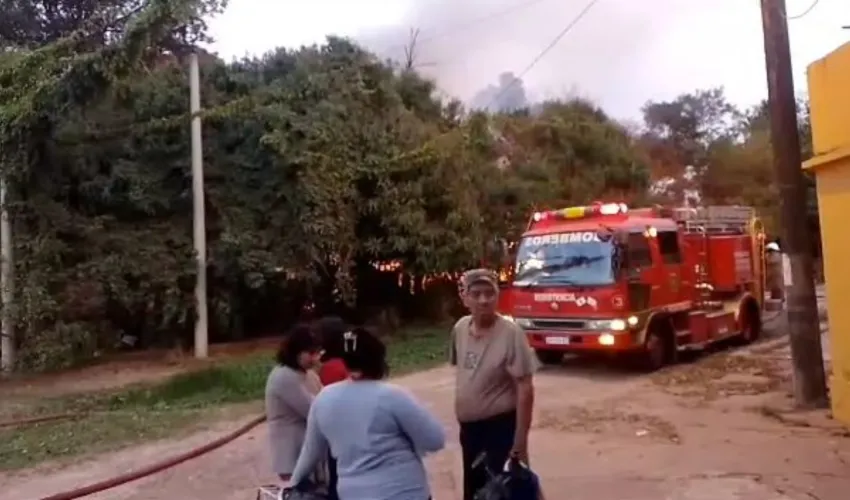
<point>621,54</point>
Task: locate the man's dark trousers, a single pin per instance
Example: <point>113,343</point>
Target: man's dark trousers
<point>333,478</point>
<point>493,436</point>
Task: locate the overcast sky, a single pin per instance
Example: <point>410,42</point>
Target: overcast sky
<point>623,53</point>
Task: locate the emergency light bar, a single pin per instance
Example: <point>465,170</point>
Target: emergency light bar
<point>582,212</point>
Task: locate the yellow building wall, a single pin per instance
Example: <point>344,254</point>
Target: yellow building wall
<point>829,94</point>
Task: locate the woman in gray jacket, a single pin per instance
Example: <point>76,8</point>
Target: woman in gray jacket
<point>290,390</point>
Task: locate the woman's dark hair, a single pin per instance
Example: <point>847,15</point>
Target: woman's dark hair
<point>299,339</point>
<point>330,330</point>
<point>365,353</point>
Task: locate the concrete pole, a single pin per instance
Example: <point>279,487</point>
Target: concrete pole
<point>803,321</point>
<point>7,286</point>
<point>198,212</point>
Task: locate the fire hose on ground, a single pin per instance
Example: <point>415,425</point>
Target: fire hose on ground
<point>140,473</point>
<point>38,420</point>
<point>150,469</point>
<point>156,467</point>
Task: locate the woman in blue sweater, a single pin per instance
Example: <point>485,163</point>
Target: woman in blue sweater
<point>377,431</point>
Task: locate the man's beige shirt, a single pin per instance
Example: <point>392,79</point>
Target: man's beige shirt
<point>487,368</point>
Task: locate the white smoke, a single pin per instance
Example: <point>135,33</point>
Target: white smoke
<point>623,53</point>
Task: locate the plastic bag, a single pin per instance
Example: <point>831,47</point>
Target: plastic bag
<point>292,494</point>
<point>516,481</point>
<point>304,491</point>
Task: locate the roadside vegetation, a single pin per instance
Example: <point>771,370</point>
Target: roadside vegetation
<point>335,182</point>
<point>229,390</point>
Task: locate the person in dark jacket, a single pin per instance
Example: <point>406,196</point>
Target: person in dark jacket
<point>331,331</point>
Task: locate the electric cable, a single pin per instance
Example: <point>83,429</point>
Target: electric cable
<point>467,25</point>
<point>545,51</point>
<point>473,22</point>
<point>804,13</point>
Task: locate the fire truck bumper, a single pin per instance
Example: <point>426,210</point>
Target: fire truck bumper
<point>599,341</point>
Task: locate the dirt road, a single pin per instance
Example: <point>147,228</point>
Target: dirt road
<point>698,431</point>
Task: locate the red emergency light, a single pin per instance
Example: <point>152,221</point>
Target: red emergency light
<point>582,212</point>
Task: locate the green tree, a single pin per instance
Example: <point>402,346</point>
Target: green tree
<point>321,165</point>
<point>40,90</point>
<point>30,24</point>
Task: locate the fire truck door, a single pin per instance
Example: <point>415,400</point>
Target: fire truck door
<point>670,250</point>
<point>642,270</point>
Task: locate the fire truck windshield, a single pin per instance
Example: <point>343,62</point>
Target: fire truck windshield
<point>569,259</point>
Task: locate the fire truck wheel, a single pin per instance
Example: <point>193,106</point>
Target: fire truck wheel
<point>659,349</point>
<point>549,357</point>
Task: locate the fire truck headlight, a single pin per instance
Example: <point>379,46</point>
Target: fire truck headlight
<point>606,339</point>
<point>617,325</point>
<point>632,320</point>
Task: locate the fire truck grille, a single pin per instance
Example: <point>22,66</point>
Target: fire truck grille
<point>558,324</point>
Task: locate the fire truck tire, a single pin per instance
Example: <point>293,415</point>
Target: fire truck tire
<point>659,350</point>
<point>549,357</point>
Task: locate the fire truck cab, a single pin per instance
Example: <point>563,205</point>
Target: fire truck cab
<point>646,283</point>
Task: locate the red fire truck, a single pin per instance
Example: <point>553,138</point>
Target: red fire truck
<point>646,283</point>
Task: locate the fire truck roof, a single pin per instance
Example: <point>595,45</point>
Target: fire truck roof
<point>629,223</point>
<point>610,216</point>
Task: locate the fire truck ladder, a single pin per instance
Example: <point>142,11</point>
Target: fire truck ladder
<point>719,219</point>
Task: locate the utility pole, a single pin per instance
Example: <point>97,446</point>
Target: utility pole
<point>7,284</point>
<point>198,213</point>
<point>803,321</point>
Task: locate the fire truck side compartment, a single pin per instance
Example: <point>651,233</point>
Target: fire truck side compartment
<point>699,327</point>
<point>728,259</point>
<point>729,265</point>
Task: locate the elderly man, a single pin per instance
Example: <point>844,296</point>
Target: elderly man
<point>494,390</point>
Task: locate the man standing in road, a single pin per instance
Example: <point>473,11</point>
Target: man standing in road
<point>494,390</point>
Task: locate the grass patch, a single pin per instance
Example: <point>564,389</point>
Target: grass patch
<point>138,413</point>
<point>94,433</point>
<point>420,349</point>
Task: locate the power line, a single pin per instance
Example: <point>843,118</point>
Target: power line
<point>545,51</point>
<point>489,17</point>
<point>805,12</point>
<point>464,26</point>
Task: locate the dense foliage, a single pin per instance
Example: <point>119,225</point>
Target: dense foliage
<point>727,149</point>
<point>334,180</point>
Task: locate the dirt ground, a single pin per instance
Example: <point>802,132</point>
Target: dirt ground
<point>712,429</point>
